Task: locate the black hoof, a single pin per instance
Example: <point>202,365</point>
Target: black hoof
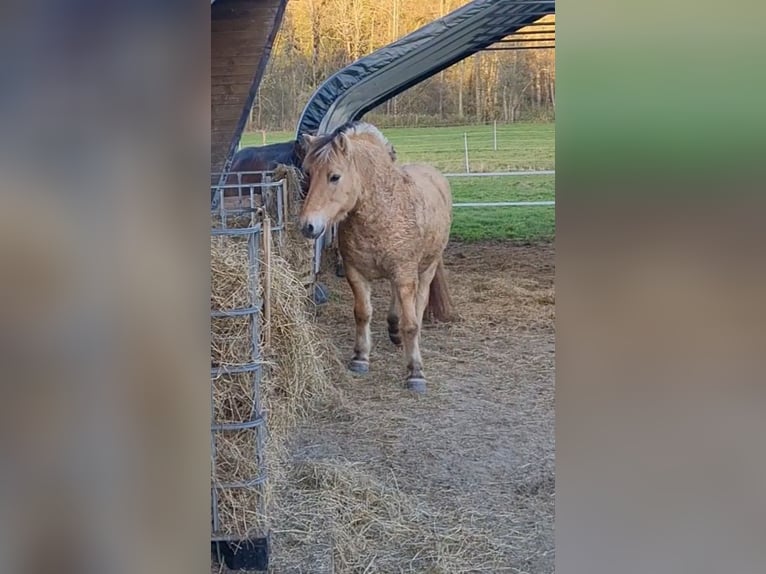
<point>321,294</point>
<point>417,385</point>
<point>340,271</point>
<point>395,339</point>
<point>358,366</point>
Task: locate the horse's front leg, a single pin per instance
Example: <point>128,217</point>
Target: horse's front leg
<point>410,329</point>
<point>360,363</point>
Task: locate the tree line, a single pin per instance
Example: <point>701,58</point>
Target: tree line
<point>318,37</point>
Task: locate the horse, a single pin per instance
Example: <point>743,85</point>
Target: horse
<point>259,159</point>
<point>394,223</point>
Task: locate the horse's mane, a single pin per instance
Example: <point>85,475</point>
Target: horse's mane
<point>324,145</point>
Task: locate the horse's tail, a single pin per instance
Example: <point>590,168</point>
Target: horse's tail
<point>439,300</point>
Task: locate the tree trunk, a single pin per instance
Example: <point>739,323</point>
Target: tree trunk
<point>505,104</point>
<point>441,91</point>
<point>316,38</point>
<point>538,91</point>
<point>552,91</point>
<point>260,107</point>
<point>477,84</point>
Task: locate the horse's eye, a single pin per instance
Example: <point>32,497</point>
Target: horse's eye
<point>334,178</point>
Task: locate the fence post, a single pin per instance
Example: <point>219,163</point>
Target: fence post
<point>495,133</point>
<point>263,137</point>
<point>465,145</point>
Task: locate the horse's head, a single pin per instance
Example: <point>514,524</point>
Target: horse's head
<point>336,164</point>
<point>333,183</point>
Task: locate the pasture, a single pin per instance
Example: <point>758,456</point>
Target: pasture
<point>519,147</point>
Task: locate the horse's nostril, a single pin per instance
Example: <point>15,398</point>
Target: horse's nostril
<point>308,230</point>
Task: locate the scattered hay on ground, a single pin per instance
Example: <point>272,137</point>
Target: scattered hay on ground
<point>460,480</point>
<point>372,526</point>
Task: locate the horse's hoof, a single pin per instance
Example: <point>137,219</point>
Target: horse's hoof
<point>321,294</point>
<point>395,339</point>
<point>417,385</point>
<point>359,366</point>
<point>340,271</point>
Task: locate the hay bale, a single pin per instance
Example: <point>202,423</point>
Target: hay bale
<point>294,178</point>
<point>297,250</point>
<point>300,356</point>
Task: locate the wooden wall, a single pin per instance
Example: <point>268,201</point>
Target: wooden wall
<point>242,34</point>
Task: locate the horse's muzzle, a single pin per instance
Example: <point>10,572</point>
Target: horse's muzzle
<point>311,230</point>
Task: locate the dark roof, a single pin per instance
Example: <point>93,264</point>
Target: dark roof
<point>377,77</point>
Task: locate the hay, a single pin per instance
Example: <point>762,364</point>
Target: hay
<point>373,526</point>
<point>459,482</point>
<point>295,375</point>
<point>296,249</point>
<point>293,176</point>
<point>300,355</point>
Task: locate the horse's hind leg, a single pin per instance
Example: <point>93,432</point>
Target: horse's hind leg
<point>360,363</point>
<point>393,318</point>
<point>424,287</point>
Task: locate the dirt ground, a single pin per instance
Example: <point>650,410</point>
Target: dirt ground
<point>458,480</point>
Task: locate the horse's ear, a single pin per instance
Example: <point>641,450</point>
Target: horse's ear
<point>306,140</point>
<point>344,143</point>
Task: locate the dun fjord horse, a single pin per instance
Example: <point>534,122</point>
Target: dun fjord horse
<point>394,224</point>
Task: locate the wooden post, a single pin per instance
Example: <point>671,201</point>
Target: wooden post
<point>266,281</point>
<point>465,145</point>
<point>286,200</point>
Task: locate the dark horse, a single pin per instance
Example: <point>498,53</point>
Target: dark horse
<point>262,158</point>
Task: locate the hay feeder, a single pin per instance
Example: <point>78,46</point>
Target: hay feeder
<point>241,234</point>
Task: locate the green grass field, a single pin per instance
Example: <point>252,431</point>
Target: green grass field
<point>519,147</point>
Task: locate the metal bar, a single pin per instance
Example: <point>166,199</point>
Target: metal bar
<point>257,481</point>
<point>267,185</point>
<point>256,308</point>
<point>502,173</point>
<point>254,172</point>
<point>507,204</point>
<point>231,231</point>
<point>251,424</point>
<point>234,369</point>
